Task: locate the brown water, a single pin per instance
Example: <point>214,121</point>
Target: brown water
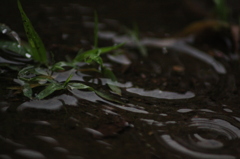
<point>174,104</point>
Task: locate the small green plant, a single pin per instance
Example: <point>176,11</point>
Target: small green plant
<point>222,10</point>
<point>134,35</point>
<point>39,74</point>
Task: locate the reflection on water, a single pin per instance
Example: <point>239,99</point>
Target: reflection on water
<point>55,103</point>
<point>161,94</point>
<point>29,154</point>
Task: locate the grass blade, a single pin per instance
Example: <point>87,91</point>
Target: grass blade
<point>95,30</point>
<point>222,10</point>
<point>112,80</point>
<point>38,51</point>
<point>72,86</point>
<point>107,97</point>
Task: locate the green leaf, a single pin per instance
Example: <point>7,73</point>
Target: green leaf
<point>222,10</point>
<point>26,72</point>
<point>13,47</point>
<point>89,57</point>
<point>78,86</point>
<point>107,97</point>
<point>134,34</point>
<point>109,48</point>
<point>60,65</point>
<point>38,51</point>
<point>94,55</point>
<point>95,30</point>
<point>52,87</point>
<point>68,80</point>
<point>4,29</point>
<point>112,80</point>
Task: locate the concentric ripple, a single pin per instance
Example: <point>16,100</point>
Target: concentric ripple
<point>204,138</point>
<point>218,126</point>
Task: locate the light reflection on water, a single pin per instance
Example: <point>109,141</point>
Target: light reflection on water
<point>161,94</point>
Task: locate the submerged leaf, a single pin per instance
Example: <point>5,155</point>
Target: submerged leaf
<point>38,51</point>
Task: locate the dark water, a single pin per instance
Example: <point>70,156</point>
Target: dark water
<point>175,104</point>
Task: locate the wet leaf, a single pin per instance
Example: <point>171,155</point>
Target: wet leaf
<point>107,97</point>
<point>38,51</point>
<point>94,55</point>
<point>109,74</point>
<point>52,87</point>
<point>25,73</point>
<point>89,57</point>
<point>60,65</point>
<point>4,29</point>
<point>78,86</point>
<point>67,80</point>
<point>13,46</point>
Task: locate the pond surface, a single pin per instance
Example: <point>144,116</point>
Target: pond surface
<point>177,102</point>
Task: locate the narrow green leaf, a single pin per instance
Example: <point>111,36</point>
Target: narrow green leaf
<point>60,65</point>
<point>107,97</point>
<point>112,80</point>
<point>93,55</point>
<point>78,86</point>
<point>109,48</point>
<point>68,80</point>
<point>95,30</point>
<point>38,51</point>
<point>134,34</point>
<point>52,87</point>
<point>109,74</point>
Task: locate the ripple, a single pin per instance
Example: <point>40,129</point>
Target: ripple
<point>92,97</point>
<point>217,126</point>
<point>207,143</point>
<point>29,154</point>
<point>169,141</point>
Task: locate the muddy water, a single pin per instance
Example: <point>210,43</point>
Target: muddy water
<point>174,104</point>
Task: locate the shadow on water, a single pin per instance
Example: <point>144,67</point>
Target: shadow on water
<point>178,102</point>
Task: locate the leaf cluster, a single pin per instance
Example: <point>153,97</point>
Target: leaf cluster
<point>40,73</point>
